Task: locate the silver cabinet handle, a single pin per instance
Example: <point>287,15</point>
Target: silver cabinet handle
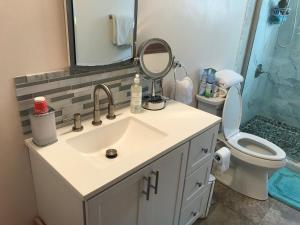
<point>147,193</point>
<point>156,173</point>
<point>205,150</point>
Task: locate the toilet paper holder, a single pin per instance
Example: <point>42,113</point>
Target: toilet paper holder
<point>222,159</point>
<point>217,158</point>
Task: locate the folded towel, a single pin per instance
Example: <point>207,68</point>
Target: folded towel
<point>228,78</point>
<point>184,91</point>
<point>122,28</point>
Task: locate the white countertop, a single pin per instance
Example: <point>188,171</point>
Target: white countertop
<point>178,121</point>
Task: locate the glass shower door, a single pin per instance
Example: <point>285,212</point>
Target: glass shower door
<point>271,95</point>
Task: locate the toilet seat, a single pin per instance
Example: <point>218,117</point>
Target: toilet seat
<point>256,146</point>
<point>252,160</point>
<point>251,145</point>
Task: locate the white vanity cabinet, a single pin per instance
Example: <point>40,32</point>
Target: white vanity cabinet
<point>171,190</point>
<point>150,196</point>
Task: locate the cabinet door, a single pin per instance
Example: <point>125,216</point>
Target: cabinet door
<point>167,187</point>
<point>122,204</point>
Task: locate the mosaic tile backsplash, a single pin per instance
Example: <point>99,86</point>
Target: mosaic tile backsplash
<point>70,93</point>
<point>281,134</point>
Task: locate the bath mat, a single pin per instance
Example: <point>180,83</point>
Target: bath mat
<point>284,185</point>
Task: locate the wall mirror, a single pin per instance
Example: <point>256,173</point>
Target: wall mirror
<point>102,33</point>
<point>150,53</point>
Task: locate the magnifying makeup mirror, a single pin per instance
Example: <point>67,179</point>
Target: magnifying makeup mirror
<point>155,62</point>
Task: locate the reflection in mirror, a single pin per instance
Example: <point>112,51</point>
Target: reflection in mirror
<point>156,53</point>
<point>103,31</point>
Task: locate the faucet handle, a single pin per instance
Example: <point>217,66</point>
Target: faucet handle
<point>77,123</point>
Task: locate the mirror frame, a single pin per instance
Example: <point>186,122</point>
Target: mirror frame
<point>72,49</point>
<point>142,51</point>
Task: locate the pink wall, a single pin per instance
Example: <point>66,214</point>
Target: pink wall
<point>32,40</point>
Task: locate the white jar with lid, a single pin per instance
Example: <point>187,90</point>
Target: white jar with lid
<point>43,127</point>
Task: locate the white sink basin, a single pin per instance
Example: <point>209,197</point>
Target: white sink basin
<point>128,136</point>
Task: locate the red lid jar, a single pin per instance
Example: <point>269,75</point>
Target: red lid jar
<point>40,105</point>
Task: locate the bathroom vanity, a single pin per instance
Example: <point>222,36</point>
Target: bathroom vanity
<point>159,177</point>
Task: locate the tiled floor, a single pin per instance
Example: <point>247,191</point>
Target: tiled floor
<point>283,135</point>
<point>232,208</point>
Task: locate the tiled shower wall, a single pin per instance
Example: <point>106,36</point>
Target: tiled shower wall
<point>255,101</point>
<point>284,78</point>
<point>275,94</point>
<point>70,93</point>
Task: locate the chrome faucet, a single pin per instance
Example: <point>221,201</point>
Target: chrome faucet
<point>111,106</point>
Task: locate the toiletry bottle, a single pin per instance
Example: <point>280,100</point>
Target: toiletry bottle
<point>202,88</point>
<point>208,90</point>
<point>203,83</point>
<point>211,83</point>
<point>136,95</point>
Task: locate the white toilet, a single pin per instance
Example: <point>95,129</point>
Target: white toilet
<point>252,157</point>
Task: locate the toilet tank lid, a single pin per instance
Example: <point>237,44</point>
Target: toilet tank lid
<point>232,113</point>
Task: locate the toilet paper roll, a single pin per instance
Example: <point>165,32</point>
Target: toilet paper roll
<point>222,159</point>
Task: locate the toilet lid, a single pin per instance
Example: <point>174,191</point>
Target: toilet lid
<point>232,113</point>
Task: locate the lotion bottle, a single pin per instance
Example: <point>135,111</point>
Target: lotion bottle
<point>136,96</point>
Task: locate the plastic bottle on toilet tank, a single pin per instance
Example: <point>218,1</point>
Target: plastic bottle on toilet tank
<point>202,87</point>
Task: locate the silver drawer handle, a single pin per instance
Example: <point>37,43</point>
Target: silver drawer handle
<point>205,150</point>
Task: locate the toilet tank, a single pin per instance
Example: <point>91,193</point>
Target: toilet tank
<point>211,105</point>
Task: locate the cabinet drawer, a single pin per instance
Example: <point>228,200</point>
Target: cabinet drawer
<point>192,211</point>
<point>196,182</point>
<point>201,149</point>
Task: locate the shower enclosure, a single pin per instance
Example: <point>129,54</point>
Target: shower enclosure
<point>271,92</point>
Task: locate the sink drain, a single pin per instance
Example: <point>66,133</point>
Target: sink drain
<point>111,153</point>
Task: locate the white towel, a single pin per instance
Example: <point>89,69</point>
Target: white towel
<point>122,30</point>
<point>228,78</point>
<point>184,91</point>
